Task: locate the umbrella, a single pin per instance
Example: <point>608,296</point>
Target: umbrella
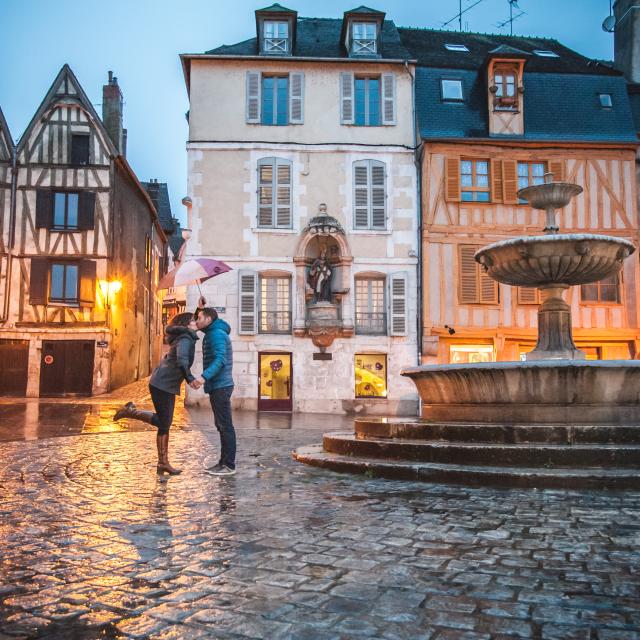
<point>193,271</point>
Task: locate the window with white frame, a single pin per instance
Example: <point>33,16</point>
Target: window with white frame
<point>274,193</point>
<point>274,304</point>
<point>370,195</point>
<point>363,41</point>
<point>276,37</point>
<point>371,316</point>
<point>529,175</point>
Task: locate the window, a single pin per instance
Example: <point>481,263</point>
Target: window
<point>371,375</point>
<point>544,53</point>
<point>474,181</point>
<point>367,102</point>
<point>65,211</point>
<point>474,286</point>
<point>529,175</point>
<point>275,100</point>
<point>274,193</point>
<point>63,286</point>
<point>276,37</point>
<point>80,148</point>
<point>505,88</point>
<point>605,100</point>
<point>451,90</point>
<point>468,353</point>
<point>456,47</point>
<point>605,291</point>
<point>364,38</point>
<point>370,197</point>
<point>147,253</point>
<point>275,305</point>
<point>371,317</point>
<point>528,295</point>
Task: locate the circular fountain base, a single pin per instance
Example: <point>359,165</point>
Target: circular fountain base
<point>565,424</point>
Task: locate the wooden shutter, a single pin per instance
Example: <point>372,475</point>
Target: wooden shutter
<point>253,97</point>
<point>346,98</point>
<point>509,181</point>
<point>557,168</point>
<point>398,304</point>
<point>44,208</point>
<point>283,193</point>
<point>39,281</point>
<point>496,181</point>
<point>468,268</point>
<point>388,98</point>
<point>87,283</point>
<point>378,196</point>
<point>528,295</point>
<point>247,316</point>
<point>361,194</point>
<point>452,179</point>
<point>86,209</point>
<point>488,287</point>
<point>296,98</point>
<point>266,194</point>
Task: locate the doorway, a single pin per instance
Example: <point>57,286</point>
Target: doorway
<point>66,368</point>
<point>14,367</point>
<point>275,382</point>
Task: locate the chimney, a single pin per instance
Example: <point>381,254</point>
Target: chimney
<point>627,38</point>
<point>112,113</point>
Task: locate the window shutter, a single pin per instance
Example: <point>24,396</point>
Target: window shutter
<point>253,97</point>
<point>296,98</point>
<point>44,209</point>
<point>528,295</point>
<point>87,285</point>
<point>361,194</point>
<point>496,181</point>
<point>452,179</point>
<point>266,179</point>
<point>247,316</point>
<point>346,98</point>
<point>468,285</point>
<point>378,195</point>
<point>509,182</point>
<point>488,287</point>
<point>557,168</point>
<point>388,98</point>
<point>86,209</point>
<point>398,304</point>
<point>283,193</point>
<point>39,280</point>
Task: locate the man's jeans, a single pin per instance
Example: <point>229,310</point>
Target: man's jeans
<point>221,405</point>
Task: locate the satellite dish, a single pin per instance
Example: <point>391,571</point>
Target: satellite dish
<point>609,24</point>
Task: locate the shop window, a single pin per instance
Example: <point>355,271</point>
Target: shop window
<point>469,353</point>
<point>606,291</point>
<point>371,375</point>
<point>474,181</point>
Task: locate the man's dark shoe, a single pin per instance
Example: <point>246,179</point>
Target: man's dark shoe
<point>221,470</point>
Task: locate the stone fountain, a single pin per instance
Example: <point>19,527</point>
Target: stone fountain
<point>554,420</point>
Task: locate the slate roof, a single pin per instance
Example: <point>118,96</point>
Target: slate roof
<point>6,142</point>
<point>634,99</point>
<point>320,38</point>
<point>277,8</point>
<point>159,194</point>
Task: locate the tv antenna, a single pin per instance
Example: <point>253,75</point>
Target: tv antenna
<point>461,12</point>
<point>512,17</point>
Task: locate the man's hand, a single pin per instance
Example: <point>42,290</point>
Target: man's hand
<point>196,384</point>
<point>202,302</point>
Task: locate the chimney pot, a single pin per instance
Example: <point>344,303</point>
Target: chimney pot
<point>110,76</point>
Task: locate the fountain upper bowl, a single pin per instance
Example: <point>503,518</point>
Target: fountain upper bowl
<point>550,195</point>
<point>563,259</point>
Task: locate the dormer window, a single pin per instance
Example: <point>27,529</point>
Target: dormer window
<point>505,88</point>
<point>545,53</point>
<point>456,47</point>
<point>276,37</point>
<point>364,37</point>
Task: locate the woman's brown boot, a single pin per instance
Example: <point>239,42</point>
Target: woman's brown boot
<point>163,457</point>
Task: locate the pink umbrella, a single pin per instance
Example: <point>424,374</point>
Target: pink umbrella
<point>193,271</point>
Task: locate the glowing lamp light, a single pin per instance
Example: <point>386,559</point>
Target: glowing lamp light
<point>109,291</point>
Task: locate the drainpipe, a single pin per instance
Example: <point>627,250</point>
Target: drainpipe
<point>12,232</point>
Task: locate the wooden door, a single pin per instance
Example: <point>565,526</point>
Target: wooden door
<point>14,367</point>
<point>66,367</point>
<point>275,376</point>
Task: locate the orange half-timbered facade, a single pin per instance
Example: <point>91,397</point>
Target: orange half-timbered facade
<point>81,255</point>
<point>495,114</point>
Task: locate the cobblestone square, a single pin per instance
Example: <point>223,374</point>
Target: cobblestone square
<point>95,545</point>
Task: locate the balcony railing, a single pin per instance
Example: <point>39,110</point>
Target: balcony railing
<point>371,323</point>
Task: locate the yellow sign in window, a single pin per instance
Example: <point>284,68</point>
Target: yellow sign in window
<point>275,376</point>
<point>371,375</point>
<point>468,353</point>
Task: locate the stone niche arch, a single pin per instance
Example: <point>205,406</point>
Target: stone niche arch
<point>324,232</point>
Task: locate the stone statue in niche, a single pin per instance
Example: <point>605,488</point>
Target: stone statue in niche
<point>319,277</point>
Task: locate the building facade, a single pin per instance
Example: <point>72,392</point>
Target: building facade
<point>302,177</point>
<point>80,255</point>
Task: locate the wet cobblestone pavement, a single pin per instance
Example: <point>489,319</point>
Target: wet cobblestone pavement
<point>95,545</point>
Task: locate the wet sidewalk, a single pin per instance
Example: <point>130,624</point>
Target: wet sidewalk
<point>95,545</point>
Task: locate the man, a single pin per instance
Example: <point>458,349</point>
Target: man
<point>217,379</point>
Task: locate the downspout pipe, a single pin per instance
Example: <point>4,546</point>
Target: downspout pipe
<point>12,232</point>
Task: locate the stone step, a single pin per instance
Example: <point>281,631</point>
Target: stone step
<point>472,475</point>
<point>505,434</point>
<point>489,454</point>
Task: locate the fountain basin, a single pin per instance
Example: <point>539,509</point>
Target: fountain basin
<point>550,195</point>
<point>559,392</point>
<point>560,259</point>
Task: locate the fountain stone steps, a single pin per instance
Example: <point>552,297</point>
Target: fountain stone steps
<point>474,475</point>
<point>485,454</point>
<point>497,433</point>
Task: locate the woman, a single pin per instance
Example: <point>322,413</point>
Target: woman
<point>165,383</point>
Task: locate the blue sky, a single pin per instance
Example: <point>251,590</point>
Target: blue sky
<point>140,41</point>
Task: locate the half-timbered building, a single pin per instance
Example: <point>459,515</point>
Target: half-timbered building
<point>82,252</point>
<point>495,114</point>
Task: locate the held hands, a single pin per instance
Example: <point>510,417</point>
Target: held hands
<point>197,383</point>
